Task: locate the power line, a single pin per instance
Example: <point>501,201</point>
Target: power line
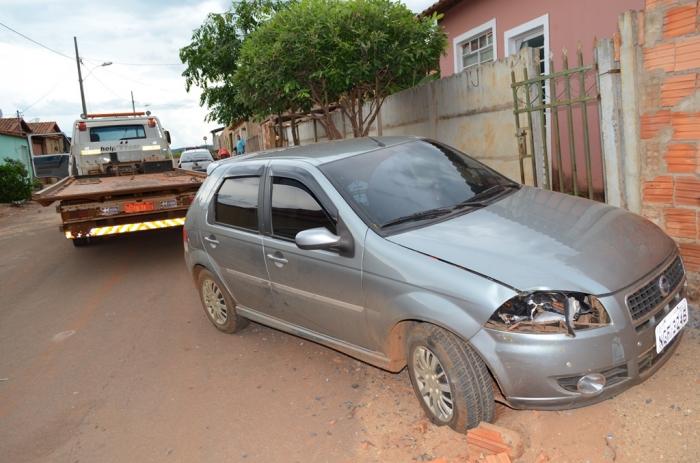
<point>88,59</point>
<point>35,42</point>
<point>58,82</point>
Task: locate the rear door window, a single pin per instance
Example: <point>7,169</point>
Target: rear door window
<point>236,203</point>
<point>294,208</point>
<point>117,133</point>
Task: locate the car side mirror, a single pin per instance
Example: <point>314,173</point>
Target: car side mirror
<point>317,238</point>
<point>167,137</point>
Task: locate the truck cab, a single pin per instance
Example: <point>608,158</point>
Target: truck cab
<point>119,144</point>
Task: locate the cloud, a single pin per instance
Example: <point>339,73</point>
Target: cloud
<point>44,85</point>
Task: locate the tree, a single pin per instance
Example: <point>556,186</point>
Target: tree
<point>211,57</point>
<point>328,54</point>
<point>15,184</point>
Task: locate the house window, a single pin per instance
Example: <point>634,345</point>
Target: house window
<point>477,50</point>
<point>476,46</point>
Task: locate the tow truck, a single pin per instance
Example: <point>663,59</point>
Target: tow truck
<point>122,179</point>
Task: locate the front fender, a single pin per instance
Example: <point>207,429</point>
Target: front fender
<point>401,284</point>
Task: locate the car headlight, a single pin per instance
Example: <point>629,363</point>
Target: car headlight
<point>549,312</point>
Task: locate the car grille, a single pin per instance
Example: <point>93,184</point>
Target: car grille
<point>650,358</point>
<point>649,296</point>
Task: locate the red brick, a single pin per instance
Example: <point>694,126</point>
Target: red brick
<point>687,191</point>
<point>500,458</point>
<point>679,21</point>
<point>682,158</point>
<point>652,123</point>
<point>659,190</point>
<point>675,88</point>
<point>691,256</point>
<point>651,4</point>
<point>660,57</point>
<point>495,440</point>
<point>687,54</point>
<point>686,126</point>
<point>681,223</point>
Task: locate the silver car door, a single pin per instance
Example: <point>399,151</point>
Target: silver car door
<point>315,289</point>
<point>232,237</point>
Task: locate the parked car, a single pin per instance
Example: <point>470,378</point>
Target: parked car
<point>197,159</point>
<point>405,252</point>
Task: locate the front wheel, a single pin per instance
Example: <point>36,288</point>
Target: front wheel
<point>451,381</point>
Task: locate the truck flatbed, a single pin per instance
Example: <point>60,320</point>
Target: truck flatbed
<point>98,188</point>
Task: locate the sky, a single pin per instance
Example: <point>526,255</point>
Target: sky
<point>142,40</point>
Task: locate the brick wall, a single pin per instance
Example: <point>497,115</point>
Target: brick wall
<point>670,124</point>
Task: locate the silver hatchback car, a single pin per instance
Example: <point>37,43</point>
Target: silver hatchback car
<point>405,252</point>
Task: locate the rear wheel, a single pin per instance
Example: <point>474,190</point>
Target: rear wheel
<point>451,381</point>
<point>81,242</point>
<point>218,304</point>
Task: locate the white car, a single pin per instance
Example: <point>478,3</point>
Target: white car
<point>197,160</point>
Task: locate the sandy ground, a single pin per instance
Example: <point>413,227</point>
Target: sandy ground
<point>106,356</point>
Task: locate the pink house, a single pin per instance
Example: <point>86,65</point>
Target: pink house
<point>479,31</point>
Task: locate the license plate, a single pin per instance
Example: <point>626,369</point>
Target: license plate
<point>110,210</point>
<point>671,325</point>
<point>143,206</point>
<point>167,204</point>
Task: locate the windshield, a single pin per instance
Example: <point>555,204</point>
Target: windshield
<point>117,133</point>
<point>196,156</point>
<point>388,186</point>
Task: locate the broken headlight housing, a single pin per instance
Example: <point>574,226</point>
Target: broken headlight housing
<point>549,312</point>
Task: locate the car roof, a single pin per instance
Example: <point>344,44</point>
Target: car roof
<point>321,153</point>
<point>195,151</point>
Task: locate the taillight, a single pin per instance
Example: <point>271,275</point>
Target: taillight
<point>184,235</point>
<point>151,122</point>
<point>82,126</point>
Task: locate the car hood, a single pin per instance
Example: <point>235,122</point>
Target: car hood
<point>538,239</point>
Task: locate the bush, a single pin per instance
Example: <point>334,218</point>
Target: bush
<point>15,184</point>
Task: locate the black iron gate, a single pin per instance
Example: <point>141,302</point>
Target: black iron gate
<point>557,127</point>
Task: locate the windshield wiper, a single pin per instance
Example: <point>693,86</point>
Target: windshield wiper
<point>490,192</point>
<point>429,214</point>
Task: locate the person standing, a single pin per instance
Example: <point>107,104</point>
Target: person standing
<point>240,145</point>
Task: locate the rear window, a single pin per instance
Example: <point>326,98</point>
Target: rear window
<point>196,156</point>
<point>117,133</point>
<point>237,203</point>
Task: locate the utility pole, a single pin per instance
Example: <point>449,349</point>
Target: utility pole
<point>133,106</point>
<point>80,76</point>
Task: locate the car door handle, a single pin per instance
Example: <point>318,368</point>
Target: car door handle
<point>277,259</point>
<point>212,240</point>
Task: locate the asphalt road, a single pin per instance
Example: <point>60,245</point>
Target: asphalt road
<point>106,356</point>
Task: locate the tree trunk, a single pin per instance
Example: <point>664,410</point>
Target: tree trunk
<point>280,128</point>
<point>295,134</point>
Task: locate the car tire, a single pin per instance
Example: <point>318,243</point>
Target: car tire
<point>445,369</point>
<point>218,304</point>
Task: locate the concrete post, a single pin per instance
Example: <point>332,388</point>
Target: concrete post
<point>431,88</point>
<point>533,70</point>
<point>629,75</point>
<point>610,123</point>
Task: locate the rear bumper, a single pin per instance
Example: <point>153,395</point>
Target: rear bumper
<point>540,371</point>
<point>125,224</point>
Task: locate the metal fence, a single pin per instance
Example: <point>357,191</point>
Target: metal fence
<point>557,126</point>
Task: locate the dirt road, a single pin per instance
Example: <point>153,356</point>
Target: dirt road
<point>106,356</point>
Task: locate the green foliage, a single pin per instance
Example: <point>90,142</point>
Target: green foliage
<point>15,184</point>
<point>212,55</point>
<point>350,54</point>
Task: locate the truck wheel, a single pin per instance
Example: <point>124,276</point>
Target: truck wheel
<point>451,381</point>
<point>81,242</point>
<point>218,304</point>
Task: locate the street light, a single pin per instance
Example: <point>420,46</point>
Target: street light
<point>80,77</point>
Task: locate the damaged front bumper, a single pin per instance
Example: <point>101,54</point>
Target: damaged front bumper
<point>541,371</point>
